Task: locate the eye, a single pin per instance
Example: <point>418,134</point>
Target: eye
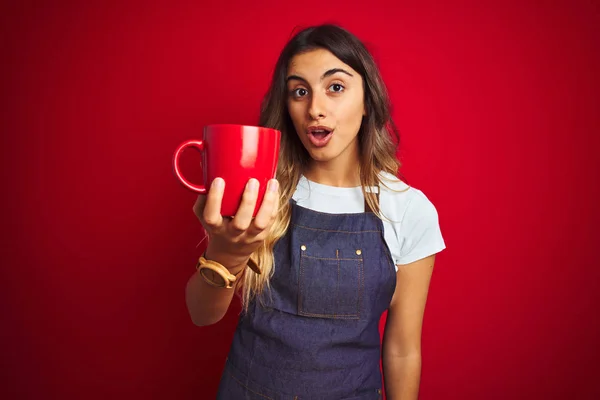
<point>299,92</point>
<point>336,88</point>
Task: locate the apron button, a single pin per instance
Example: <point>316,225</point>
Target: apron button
<point>358,252</point>
<point>303,247</point>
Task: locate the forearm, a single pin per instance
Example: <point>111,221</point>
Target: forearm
<point>402,376</point>
<point>208,304</point>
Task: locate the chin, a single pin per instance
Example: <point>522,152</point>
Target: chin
<point>322,155</point>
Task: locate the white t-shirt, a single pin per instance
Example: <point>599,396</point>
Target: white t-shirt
<point>410,224</point>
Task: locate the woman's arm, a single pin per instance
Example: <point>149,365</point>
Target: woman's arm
<point>231,242</point>
<point>208,304</point>
<point>402,335</point>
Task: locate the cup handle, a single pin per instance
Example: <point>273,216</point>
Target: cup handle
<point>199,144</point>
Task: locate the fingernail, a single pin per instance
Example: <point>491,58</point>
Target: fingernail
<point>218,183</point>
<point>273,185</point>
<point>253,184</point>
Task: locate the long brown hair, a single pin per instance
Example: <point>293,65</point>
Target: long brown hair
<point>378,135</point>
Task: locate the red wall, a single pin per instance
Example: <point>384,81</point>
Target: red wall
<point>498,107</point>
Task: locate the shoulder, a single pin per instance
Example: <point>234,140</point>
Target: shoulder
<point>401,202</point>
<point>411,221</point>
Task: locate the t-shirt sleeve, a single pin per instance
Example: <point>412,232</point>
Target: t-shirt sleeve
<point>420,234</point>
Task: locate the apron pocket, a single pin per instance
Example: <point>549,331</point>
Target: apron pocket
<point>331,287</point>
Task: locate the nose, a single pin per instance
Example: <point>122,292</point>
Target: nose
<point>317,107</point>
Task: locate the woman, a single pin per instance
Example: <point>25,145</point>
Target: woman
<point>338,240</point>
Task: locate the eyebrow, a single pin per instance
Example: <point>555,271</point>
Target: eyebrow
<point>325,75</point>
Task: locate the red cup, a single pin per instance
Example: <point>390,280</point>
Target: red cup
<point>235,153</point>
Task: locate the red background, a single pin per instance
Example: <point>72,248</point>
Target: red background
<point>498,108</point>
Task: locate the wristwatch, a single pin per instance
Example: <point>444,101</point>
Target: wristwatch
<point>227,279</point>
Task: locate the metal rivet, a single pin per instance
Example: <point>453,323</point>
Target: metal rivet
<point>303,247</point>
<point>358,252</point>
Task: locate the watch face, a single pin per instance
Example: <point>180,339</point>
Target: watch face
<point>212,278</point>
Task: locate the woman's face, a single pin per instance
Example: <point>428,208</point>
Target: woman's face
<point>326,104</point>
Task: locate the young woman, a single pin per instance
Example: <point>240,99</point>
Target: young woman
<point>338,240</point>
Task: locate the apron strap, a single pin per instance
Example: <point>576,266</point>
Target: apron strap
<point>367,207</point>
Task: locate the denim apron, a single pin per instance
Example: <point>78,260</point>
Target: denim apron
<point>316,333</point>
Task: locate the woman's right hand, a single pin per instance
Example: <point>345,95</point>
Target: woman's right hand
<point>233,240</point>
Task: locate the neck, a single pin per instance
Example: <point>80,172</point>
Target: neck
<point>339,172</point>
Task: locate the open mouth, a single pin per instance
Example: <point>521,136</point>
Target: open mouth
<point>320,135</point>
